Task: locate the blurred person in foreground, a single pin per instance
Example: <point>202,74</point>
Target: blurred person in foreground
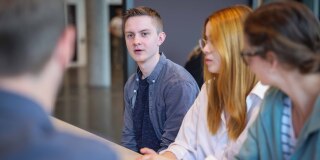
<point>35,49</point>
<point>282,47</point>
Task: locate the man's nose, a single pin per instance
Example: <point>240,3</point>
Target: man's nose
<point>136,40</point>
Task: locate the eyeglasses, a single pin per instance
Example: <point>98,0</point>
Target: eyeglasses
<point>202,43</point>
<point>246,54</point>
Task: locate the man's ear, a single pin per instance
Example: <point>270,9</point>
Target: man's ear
<point>161,38</point>
<point>65,47</point>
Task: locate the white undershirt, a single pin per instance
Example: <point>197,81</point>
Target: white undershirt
<point>288,139</point>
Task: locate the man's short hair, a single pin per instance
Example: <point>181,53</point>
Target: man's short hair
<point>29,31</point>
<point>144,11</point>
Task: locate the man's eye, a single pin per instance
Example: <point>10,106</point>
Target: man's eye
<point>144,34</point>
<point>129,36</point>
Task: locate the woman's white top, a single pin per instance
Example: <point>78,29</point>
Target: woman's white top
<point>194,140</point>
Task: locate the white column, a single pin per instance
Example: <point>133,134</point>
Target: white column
<point>98,43</point>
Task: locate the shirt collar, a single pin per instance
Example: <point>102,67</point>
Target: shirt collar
<point>259,90</point>
<point>156,71</point>
<point>311,124</point>
<point>256,94</point>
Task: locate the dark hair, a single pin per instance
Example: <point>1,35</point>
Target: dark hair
<point>29,30</point>
<point>144,11</point>
<point>290,30</point>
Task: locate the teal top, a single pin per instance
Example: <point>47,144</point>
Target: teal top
<point>264,136</point>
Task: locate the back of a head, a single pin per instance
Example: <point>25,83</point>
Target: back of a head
<point>290,30</point>
<point>29,31</point>
<point>144,11</point>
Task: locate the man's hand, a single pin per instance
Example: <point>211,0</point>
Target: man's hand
<point>149,154</point>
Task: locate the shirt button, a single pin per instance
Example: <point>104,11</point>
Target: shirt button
<point>153,81</point>
<point>134,91</point>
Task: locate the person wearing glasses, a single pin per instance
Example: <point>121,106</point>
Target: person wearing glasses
<point>216,124</point>
<point>282,48</point>
<point>160,93</point>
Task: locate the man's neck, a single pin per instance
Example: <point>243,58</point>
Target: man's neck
<point>148,66</point>
<point>29,87</point>
<point>304,93</point>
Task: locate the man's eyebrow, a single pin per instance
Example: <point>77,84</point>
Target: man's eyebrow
<point>144,30</point>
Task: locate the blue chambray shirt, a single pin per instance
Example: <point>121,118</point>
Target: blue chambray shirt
<point>28,134</point>
<point>172,91</point>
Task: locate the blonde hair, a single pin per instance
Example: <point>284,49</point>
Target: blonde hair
<point>227,91</point>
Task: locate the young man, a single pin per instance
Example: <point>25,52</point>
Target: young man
<point>35,50</point>
<point>158,96</point>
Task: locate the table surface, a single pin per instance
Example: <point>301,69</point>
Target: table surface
<point>123,153</point>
